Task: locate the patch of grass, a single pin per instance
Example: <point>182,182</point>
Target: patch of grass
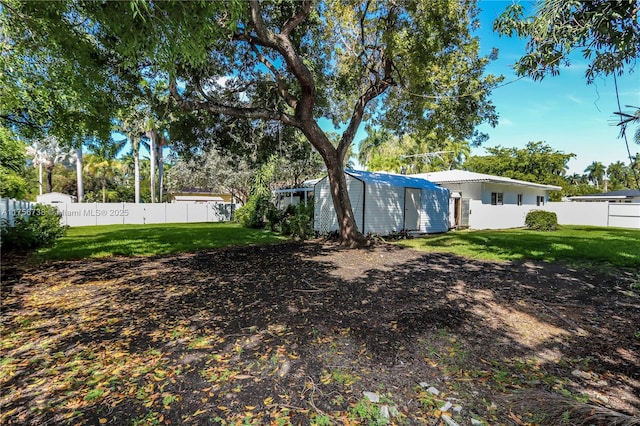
<point>148,240</point>
<point>368,413</point>
<point>571,244</point>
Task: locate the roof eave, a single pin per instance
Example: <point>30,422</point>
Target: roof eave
<point>502,182</point>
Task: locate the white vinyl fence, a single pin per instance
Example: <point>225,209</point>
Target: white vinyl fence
<point>621,215</point>
<point>85,214</point>
<point>10,209</point>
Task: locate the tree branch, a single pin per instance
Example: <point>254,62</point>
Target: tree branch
<point>291,100</point>
<point>239,112</point>
<point>297,18</point>
<point>282,44</point>
<point>262,31</point>
<point>8,118</point>
<point>374,90</point>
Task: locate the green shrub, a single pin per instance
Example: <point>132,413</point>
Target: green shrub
<point>274,217</point>
<point>540,220</point>
<point>40,227</point>
<point>298,221</point>
<point>252,214</point>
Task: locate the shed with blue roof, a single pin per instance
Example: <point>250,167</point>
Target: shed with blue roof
<point>385,203</point>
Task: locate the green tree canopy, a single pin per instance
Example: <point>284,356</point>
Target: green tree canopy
<point>537,162</point>
<point>606,32</point>
<point>595,173</point>
<point>14,175</point>
<point>59,79</point>
<point>416,154</point>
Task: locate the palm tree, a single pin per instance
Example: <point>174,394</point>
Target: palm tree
<point>458,151</point>
<point>161,143</point>
<point>375,138</point>
<point>595,173</point>
<point>618,174</point>
<point>78,159</point>
<point>133,127</point>
<point>48,152</point>
<point>576,179</point>
<point>102,163</point>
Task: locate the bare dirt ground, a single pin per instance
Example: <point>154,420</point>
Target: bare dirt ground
<point>295,333</point>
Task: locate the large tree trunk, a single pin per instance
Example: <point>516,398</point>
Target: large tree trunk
<point>350,235</point>
<point>333,158</point>
<point>79,175</point>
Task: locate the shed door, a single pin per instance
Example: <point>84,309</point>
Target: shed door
<point>412,203</point>
<point>464,213</point>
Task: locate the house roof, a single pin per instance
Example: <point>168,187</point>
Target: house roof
<point>463,176</point>
<point>194,190</point>
<point>198,197</point>
<point>394,180</point>
<point>613,195</point>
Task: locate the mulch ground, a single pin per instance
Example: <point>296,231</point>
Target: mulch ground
<point>295,333</point>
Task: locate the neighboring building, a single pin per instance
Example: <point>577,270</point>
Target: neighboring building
<point>385,203</point>
<point>471,192</point>
<point>200,195</point>
<point>293,196</point>
<point>623,196</point>
<point>55,198</point>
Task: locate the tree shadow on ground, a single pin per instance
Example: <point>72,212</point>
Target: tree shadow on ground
<point>300,330</point>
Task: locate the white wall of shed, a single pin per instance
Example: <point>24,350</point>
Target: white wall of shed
<point>435,211</point>
<point>324,214</point>
<point>384,209</point>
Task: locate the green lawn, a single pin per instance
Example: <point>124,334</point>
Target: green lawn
<point>573,244</point>
<point>146,240</point>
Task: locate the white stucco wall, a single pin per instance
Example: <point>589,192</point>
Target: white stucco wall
<point>591,214</point>
<point>482,191</point>
<point>486,216</point>
<point>510,193</point>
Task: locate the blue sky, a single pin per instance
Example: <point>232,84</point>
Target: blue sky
<point>563,111</point>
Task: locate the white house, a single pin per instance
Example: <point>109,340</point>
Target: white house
<point>623,196</point>
<point>296,195</point>
<point>385,203</point>
<point>482,201</point>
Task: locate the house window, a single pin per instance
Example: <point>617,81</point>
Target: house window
<point>519,199</point>
<point>540,200</point>
<point>496,198</point>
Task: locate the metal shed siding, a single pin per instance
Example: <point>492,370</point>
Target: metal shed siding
<point>383,199</point>
<point>324,214</point>
<point>384,208</point>
<point>435,211</point>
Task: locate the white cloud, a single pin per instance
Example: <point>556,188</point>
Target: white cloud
<point>574,99</point>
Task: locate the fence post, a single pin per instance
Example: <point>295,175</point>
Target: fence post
<point>12,210</point>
